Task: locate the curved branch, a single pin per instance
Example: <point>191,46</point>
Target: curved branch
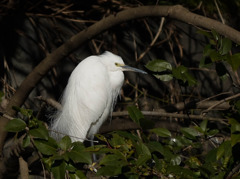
<point>176,12</point>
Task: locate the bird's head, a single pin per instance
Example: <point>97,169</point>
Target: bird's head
<point>115,63</point>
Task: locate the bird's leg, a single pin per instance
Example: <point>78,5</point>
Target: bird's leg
<point>92,144</point>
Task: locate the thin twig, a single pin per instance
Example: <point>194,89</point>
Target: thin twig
<point>219,12</point>
<point>220,102</point>
<point>6,116</point>
<point>211,97</point>
<point>50,102</point>
<point>153,41</point>
<point>234,170</point>
<point>148,28</point>
<point>40,156</point>
<point>61,10</point>
<point>172,115</point>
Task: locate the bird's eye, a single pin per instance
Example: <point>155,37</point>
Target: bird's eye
<point>117,64</point>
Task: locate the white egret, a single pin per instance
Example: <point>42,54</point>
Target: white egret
<point>90,96</point>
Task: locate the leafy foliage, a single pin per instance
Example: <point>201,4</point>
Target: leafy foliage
<point>168,72</point>
<point>60,158</point>
<point>219,52</point>
<point>135,154</point>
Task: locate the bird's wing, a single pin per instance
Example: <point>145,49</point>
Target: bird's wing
<point>90,97</point>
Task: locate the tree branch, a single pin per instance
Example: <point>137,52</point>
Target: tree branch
<point>173,115</point>
<point>23,166</point>
<point>176,12</point>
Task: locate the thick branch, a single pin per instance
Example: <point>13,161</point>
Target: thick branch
<point>175,12</point>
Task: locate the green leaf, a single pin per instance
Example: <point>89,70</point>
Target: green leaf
<point>193,162</point>
<point>157,163</point>
<point>45,147</point>
<point>212,132</point>
<point>207,49</point>
<point>176,160</point>
<point>159,65</point>
<point>235,138</point>
<point>226,46</point>
<point>117,140</point>
<point>205,63</point>
<point>48,162</point>
<point>205,33</point>
<point>220,176</point>
<point>41,132</point>
<point>224,150</point>
<point>142,159</point>
<point>144,154</point>
<point>180,141</point>
<point>164,77</point>
<point>70,167</point>
<point>95,148</point>
<point>77,175</point>
<point>216,36</point>
<point>162,132</point>
<point>80,174</point>
<point>211,156</point>
<point>109,171</point>
<point>59,170</point>
<point>79,146</point>
<point>26,141</point>
<point>141,148</point>
<point>237,105</point>
<point>26,112</point>
<point>15,125</point>
<point>234,61</point>
<point>127,135</point>
<point>181,172</point>
<point>207,170</point>
<point>156,147</point>
<point>214,55</point>
<point>101,137</point>
<point>190,133</point>
<point>65,143</point>
<point>114,160</point>
<point>181,73</point>
<point>135,114</point>
<point>235,125</point>
<point>79,154</point>
<point>203,125</point>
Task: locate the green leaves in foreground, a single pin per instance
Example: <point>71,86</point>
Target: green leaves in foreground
<point>161,132</point>
<point>218,52</point>
<point>182,73</point>
<point>15,125</point>
<point>147,152</point>
<point>61,158</point>
<point>164,71</point>
<point>137,116</point>
<point>161,69</point>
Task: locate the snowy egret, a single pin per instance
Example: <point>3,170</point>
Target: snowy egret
<point>90,96</point>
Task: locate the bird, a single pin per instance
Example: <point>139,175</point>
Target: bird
<point>90,96</point>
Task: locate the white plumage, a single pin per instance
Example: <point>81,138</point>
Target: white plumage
<point>90,96</point>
